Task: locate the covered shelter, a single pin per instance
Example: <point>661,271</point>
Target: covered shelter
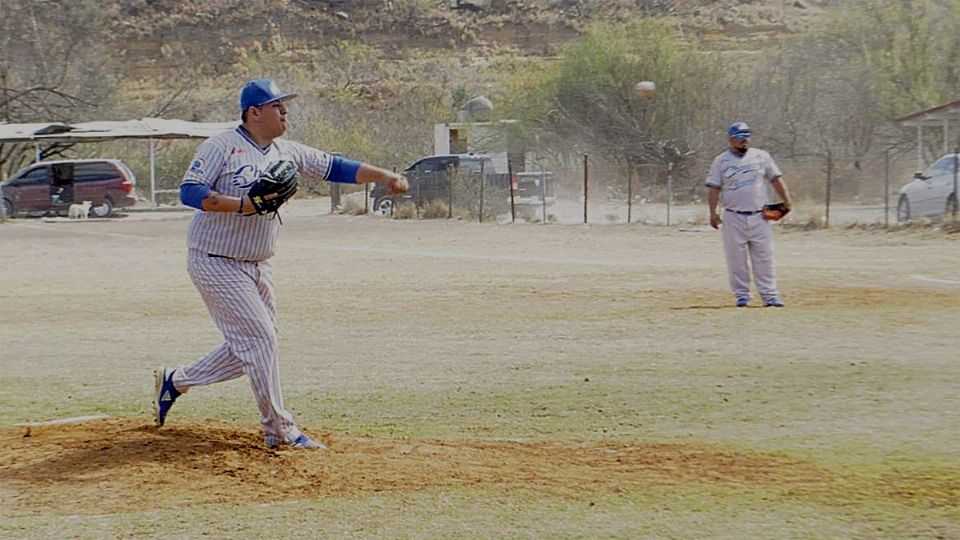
<point>150,129</point>
<point>938,117</point>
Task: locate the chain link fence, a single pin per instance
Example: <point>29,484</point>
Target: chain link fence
<point>826,191</point>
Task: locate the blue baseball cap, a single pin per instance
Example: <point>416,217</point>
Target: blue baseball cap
<point>260,92</point>
<point>739,130</point>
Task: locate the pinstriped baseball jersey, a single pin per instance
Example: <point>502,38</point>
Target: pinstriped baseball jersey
<point>229,163</point>
<point>742,179</point>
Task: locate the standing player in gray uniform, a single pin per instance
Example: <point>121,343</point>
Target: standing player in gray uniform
<point>228,250</point>
<point>738,180</point>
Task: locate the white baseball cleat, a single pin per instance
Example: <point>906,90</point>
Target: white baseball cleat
<point>301,443</point>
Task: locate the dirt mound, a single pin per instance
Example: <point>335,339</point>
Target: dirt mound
<point>112,465</point>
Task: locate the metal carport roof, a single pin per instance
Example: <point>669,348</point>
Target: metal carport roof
<point>936,117</point>
<point>100,131</point>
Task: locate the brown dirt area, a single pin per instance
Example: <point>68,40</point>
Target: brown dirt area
<point>111,465</point>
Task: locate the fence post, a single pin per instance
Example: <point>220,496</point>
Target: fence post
<point>669,190</point>
<point>586,185</point>
<point>886,188</point>
<point>393,206</point>
<point>449,193</point>
<point>629,192</point>
<point>829,184</point>
<point>513,207</point>
<point>543,191</point>
<point>366,198</point>
<point>419,177</point>
<point>153,174</point>
<point>481,191</point>
<point>334,197</point>
<point>956,164</point>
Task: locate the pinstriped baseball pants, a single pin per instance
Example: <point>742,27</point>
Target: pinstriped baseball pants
<point>749,236</point>
<point>240,298</point>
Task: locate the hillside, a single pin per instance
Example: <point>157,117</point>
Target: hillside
<point>163,34</point>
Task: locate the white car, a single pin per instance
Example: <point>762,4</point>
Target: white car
<point>931,193</point>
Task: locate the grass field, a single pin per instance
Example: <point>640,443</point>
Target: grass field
<point>483,380</point>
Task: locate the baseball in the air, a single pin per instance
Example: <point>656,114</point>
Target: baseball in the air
<point>645,88</point>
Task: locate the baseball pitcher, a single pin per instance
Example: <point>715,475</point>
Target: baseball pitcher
<point>238,182</point>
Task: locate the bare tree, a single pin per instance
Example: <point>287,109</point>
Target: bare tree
<point>49,67</point>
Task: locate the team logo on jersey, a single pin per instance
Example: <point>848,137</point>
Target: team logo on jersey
<point>245,176</point>
<point>733,170</point>
<point>197,166</point>
<point>743,171</point>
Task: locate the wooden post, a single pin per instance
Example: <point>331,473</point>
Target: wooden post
<point>629,191</point>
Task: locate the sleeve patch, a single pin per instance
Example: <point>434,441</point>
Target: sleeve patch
<point>197,166</point>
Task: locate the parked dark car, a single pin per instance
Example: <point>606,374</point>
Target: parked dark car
<point>432,177</point>
<point>50,187</point>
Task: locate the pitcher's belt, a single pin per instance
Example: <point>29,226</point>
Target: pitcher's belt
<point>230,258</point>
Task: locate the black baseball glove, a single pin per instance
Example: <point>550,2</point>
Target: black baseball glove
<point>274,186</point>
<point>775,212</point>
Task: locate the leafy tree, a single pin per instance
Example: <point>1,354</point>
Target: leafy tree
<point>830,94</point>
<point>585,101</point>
<point>909,51</point>
<point>906,46</point>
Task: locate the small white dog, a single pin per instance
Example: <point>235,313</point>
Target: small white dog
<point>79,211</point>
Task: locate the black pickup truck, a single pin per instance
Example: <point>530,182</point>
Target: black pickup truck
<point>448,177</point>
<point>455,178</point>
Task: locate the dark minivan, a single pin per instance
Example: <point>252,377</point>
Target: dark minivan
<point>50,187</point>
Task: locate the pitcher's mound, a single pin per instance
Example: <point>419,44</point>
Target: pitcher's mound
<point>114,465</point>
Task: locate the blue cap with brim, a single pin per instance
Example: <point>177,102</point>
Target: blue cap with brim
<point>740,130</point>
<point>259,92</point>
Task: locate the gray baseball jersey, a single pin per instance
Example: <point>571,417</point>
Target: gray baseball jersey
<point>747,238</point>
<point>743,181</point>
<point>229,163</point>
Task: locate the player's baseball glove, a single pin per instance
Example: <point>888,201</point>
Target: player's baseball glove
<point>274,186</point>
<point>775,212</point>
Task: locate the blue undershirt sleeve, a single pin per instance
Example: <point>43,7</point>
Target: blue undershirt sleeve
<point>344,171</point>
<point>192,194</point>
